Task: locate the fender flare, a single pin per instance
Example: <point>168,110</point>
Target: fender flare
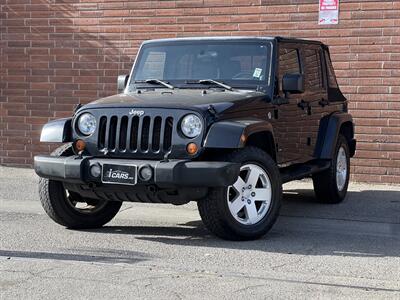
<point>57,131</point>
<point>233,134</point>
<point>328,133</point>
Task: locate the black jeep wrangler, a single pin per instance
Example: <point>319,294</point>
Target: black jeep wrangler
<point>220,121</point>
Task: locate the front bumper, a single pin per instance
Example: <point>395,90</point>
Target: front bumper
<point>176,173</point>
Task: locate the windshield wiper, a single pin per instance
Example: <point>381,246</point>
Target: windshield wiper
<point>221,84</point>
<point>156,81</point>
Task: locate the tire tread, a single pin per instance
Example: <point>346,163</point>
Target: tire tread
<point>325,188</point>
<point>210,207</point>
<point>51,195</point>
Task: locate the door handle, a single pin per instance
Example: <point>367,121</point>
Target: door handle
<point>323,102</point>
<point>302,104</point>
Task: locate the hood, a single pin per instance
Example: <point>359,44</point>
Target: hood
<point>178,98</point>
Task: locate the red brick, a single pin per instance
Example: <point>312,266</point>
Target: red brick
<point>55,58</point>
<point>377,5</point>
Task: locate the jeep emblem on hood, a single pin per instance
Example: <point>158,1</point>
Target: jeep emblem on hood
<point>138,113</point>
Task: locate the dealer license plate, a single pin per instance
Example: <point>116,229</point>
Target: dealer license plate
<point>119,174</point>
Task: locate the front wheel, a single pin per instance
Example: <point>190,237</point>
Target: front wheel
<point>68,208</point>
<point>71,210</point>
<point>247,209</point>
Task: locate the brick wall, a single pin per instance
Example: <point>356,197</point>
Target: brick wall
<point>57,53</point>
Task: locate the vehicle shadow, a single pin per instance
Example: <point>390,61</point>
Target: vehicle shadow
<point>366,224</point>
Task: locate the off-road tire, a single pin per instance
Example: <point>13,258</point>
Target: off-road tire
<point>53,199</point>
<point>214,209</point>
<point>325,185</point>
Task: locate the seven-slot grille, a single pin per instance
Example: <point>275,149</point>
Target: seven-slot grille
<point>135,134</point>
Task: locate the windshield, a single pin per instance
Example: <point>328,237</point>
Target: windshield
<point>183,64</point>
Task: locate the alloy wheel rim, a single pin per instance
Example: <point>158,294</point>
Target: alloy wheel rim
<point>341,169</point>
<point>249,198</point>
<point>84,207</point>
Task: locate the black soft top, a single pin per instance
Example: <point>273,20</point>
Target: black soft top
<point>237,38</point>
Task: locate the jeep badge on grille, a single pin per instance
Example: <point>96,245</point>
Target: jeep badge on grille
<point>138,113</point>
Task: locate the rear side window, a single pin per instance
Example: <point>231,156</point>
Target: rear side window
<point>289,63</point>
<point>331,73</point>
<point>313,74</point>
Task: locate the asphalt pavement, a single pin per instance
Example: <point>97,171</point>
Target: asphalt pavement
<point>350,250</point>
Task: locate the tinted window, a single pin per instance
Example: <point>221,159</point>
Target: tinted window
<point>288,63</point>
<point>313,73</point>
<point>233,63</point>
<point>331,73</point>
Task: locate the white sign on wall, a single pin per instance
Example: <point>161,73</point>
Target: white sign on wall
<point>328,12</point>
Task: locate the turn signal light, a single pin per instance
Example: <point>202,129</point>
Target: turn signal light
<point>191,148</point>
<point>80,145</point>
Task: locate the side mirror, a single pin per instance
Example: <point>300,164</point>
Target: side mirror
<point>293,83</point>
<point>122,82</point>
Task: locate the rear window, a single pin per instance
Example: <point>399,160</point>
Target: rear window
<point>331,72</point>
<point>313,74</point>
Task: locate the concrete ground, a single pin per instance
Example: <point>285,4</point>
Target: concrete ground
<point>350,250</point>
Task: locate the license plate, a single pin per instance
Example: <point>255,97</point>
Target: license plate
<point>119,174</point>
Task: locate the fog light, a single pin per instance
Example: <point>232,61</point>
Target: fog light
<point>191,148</point>
<point>146,173</point>
<point>95,170</point>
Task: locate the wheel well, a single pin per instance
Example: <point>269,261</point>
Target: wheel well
<point>263,140</point>
<point>347,130</point>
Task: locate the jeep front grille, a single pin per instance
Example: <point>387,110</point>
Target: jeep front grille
<point>135,134</point>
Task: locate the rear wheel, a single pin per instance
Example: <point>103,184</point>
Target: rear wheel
<point>247,209</point>
<point>330,186</point>
<point>69,208</point>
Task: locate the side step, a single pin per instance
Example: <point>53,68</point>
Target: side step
<point>300,171</point>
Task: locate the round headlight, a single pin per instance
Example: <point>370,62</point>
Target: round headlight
<point>191,126</point>
<point>87,124</point>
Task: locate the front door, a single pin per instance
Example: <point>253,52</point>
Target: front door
<point>290,117</point>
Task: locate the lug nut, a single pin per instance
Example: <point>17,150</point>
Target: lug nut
<point>248,202</point>
<point>249,186</point>
<point>253,194</point>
